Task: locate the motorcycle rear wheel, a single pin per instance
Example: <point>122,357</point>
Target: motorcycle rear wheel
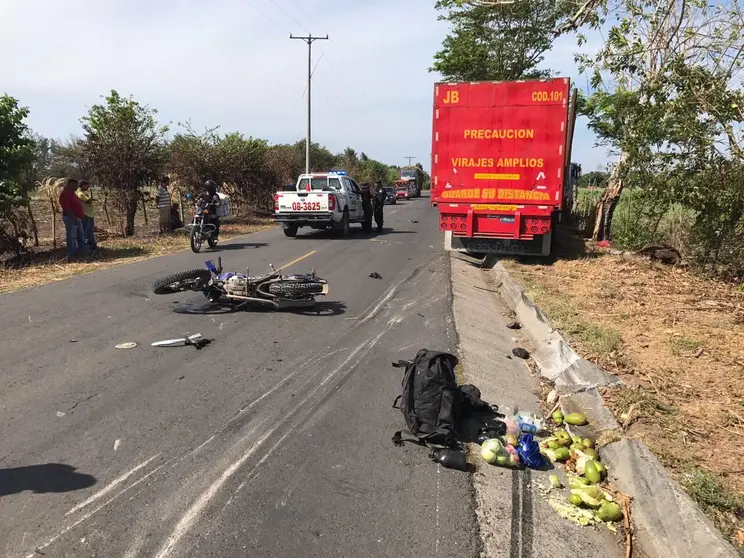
<point>191,280</point>
<point>295,290</point>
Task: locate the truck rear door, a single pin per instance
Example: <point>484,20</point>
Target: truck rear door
<point>500,142</point>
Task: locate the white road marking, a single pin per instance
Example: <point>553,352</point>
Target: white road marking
<point>113,484</point>
<point>436,544</point>
<point>192,514</point>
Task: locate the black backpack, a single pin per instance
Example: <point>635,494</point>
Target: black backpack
<point>431,399</point>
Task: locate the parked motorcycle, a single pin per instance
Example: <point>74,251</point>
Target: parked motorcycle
<point>281,291</point>
<point>200,229</point>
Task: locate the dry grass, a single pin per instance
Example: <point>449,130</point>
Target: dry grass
<point>50,265</point>
<point>677,342</point>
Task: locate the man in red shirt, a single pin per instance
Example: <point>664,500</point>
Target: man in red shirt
<point>72,216</point>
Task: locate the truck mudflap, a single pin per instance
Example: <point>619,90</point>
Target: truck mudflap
<point>477,247</point>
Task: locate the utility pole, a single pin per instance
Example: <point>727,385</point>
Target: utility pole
<point>309,40</point>
<point>409,160</point>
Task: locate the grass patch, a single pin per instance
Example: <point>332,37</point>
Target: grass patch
<point>682,346</point>
<point>720,503</point>
<point>642,400</point>
<point>705,488</point>
<point>596,339</point>
<point>599,340</point>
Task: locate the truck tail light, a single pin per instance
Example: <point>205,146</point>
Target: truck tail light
<point>332,202</point>
<point>276,202</point>
<point>536,225</point>
<point>452,222</point>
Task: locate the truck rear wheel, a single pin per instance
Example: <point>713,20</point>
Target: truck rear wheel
<point>290,231</point>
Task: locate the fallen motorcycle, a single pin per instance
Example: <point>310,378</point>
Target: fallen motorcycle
<point>281,291</point>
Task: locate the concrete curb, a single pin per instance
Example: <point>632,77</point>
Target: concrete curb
<point>667,522</point>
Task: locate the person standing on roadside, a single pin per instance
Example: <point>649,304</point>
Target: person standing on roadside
<point>366,203</point>
<point>85,194</point>
<point>163,199</point>
<point>72,216</point>
<point>378,203</point>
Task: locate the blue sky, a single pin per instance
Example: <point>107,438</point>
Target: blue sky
<point>231,63</point>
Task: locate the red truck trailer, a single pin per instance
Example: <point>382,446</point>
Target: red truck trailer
<point>501,154</point>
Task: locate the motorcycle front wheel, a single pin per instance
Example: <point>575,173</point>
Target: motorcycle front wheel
<point>212,241</point>
<point>195,239</point>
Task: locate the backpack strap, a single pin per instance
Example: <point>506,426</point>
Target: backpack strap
<point>451,439</point>
<point>402,363</point>
<point>398,440</point>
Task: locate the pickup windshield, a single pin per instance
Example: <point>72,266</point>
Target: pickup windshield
<point>320,183</point>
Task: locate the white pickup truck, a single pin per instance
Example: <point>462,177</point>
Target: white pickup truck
<point>321,201</point>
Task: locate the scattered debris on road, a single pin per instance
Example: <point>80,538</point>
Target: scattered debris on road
<point>196,340</point>
<point>60,414</point>
<point>584,497</point>
<point>519,352</point>
<point>127,345</point>
<point>375,275</point>
<point>450,459</point>
<point>414,221</point>
<point>513,325</point>
<point>117,443</point>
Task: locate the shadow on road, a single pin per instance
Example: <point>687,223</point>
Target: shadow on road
<point>237,246</point>
<point>50,477</point>
<point>355,233</point>
<point>202,308</point>
<point>567,245</point>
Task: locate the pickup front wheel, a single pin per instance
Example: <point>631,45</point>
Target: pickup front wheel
<point>290,231</point>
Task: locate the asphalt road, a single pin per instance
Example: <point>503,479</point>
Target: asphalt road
<point>272,441</point>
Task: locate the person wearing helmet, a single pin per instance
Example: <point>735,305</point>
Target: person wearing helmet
<point>211,200</point>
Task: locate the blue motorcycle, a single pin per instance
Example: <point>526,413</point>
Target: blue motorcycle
<point>280,291</point>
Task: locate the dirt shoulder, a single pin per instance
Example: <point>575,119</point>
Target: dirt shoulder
<point>45,264</point>
<point>677,342</point>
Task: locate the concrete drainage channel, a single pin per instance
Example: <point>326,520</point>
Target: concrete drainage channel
<point>666,522</point>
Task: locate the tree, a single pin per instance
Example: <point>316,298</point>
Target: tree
<point>16,156</point>
<point>594,179</point>
<point>503,43</point>
<point>124,149</point>
<point>667,99</point>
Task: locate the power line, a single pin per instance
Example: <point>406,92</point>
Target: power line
<point>313,72</point>
<point>306,14</point>
<point>289,16</point>
<point>309,40</point>
<point>272,20</point>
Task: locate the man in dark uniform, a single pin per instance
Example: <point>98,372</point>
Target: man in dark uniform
<point>378,203</point>
<point>366,205</point>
